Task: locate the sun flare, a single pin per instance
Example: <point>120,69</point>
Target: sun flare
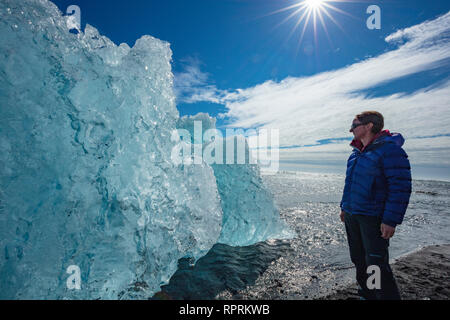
<point>312,12</point>
<point>314,3</point>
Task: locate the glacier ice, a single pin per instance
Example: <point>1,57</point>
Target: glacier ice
<point>86,176</point>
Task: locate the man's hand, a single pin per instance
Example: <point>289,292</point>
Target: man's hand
<point>342,216</point>
<point>387,231</point>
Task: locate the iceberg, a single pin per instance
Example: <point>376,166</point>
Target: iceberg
<point>86,175</point>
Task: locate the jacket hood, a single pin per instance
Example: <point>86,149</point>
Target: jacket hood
<point>382,137</point>
<point>395,138</point>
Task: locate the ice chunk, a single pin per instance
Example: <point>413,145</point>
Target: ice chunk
<point>249,211</point>
<point>86,176</point>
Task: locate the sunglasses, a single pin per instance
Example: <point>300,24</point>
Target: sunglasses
<point>356,125</point>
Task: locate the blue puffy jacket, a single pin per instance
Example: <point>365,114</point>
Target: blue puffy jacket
<point>378,179</point>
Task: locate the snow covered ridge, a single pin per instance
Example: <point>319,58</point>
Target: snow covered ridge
<point>86,177</point>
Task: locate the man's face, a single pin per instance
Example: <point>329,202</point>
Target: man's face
<point>358,129</point>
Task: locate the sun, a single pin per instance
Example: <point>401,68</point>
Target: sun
<point>314,4</point>
<point>313,11</point>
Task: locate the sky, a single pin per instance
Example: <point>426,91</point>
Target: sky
<point>263,64</point>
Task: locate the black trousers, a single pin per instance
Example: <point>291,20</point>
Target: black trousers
<point>368,248</point>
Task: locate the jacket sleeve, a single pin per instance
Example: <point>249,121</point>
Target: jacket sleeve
<point>397,171</point>
<point>346,190</point>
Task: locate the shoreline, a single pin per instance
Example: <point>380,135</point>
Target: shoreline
<point>421,275</point>
<point>339,173</point>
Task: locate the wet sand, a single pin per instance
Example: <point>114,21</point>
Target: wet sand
<point>421,275</point>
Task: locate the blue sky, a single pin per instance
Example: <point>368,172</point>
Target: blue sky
<point>234,59</point>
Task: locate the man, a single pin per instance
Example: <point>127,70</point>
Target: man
<point>375,198</point>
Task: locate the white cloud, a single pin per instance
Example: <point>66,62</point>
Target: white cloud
<point>191,85</point>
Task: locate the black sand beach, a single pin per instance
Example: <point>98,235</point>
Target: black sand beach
<point>421,275</point>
